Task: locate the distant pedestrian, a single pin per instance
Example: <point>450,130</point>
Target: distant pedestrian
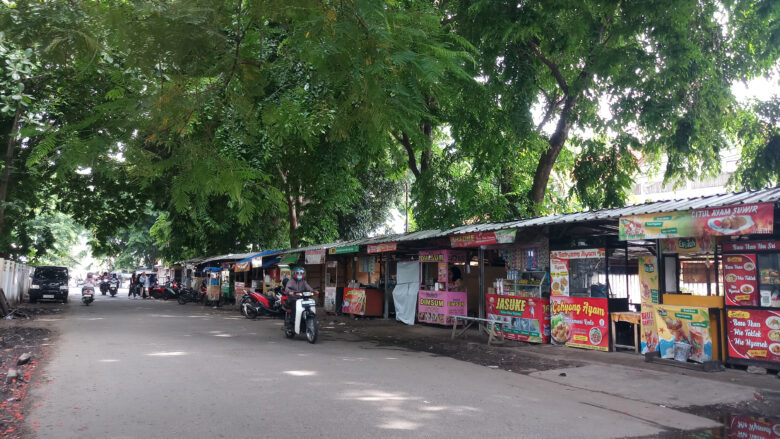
<point>144,281</point>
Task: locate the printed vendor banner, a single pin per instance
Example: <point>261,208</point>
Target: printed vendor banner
<point>754,334</point>
<point>437,306</point>
<point>741,282</point>
<point>315,257</point>
<point>382,248</point>
<point>345,249</point>
<point>648,284</point>
<point>655,226</point>
<point>291,258</point>
<point>559,277</point>
<point>354,301</point>
<point>241,288</point>
<point>751,246</point>
<point>242,266</point>
<point>752,427</point>
<point>744,219</point>
<point>684,324</point>
<point>521,318</point>
<point>688,245</point>
<point>486,238</point>
<point>579,322</point>
<point>330,299</point>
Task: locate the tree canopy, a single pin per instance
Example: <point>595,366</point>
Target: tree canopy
<point>208,126</point>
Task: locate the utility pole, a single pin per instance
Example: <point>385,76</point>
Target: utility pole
<point>406,209</point>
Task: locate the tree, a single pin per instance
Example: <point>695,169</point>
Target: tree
<point>756,130</point>
<point>664,69</point>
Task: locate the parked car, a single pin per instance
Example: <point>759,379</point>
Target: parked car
<point>49,282</point>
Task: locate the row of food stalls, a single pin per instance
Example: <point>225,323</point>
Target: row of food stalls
<point>697,278</point>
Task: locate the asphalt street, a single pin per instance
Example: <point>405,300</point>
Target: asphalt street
<point>129,368</point>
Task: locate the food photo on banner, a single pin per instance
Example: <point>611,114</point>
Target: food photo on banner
<point>520,318</point>
<point>686,329</point>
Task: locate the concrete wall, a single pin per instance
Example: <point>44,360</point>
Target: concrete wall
<point>14,280</point>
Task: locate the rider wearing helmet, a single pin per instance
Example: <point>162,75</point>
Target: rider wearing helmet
<point>297,284</point>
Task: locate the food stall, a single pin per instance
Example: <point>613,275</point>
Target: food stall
<point>435,300</point>
<point>365,298</point>
<point>579,308</point>
<point>338,260</point>
<point>686,321</point>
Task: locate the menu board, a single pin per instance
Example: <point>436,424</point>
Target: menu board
<point>684,324</point>
<point>753,427</point>
<point>354,301</point>
<point>437,306</point>
<point>754,334</point>
<point>648,284</point>
<point>521,318</point>
<point>739,273</point>
<point>579,322</point>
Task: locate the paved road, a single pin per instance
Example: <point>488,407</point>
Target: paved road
<point>128,368</point>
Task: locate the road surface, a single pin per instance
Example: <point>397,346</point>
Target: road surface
<point>127,368</point>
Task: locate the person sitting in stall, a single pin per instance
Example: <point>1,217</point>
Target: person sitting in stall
<point>455,279</point>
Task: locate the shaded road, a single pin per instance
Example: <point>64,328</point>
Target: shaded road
<point>128,368</point>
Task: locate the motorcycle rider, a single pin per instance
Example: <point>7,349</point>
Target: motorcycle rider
<point>297,284</point>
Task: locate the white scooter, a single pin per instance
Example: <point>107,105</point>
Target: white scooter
<point>87,294</point>
<point>303,318</point>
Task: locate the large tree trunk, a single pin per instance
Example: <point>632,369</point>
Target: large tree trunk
<point>547,160</point>
<point>7,165</point>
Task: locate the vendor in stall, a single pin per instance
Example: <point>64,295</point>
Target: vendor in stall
<point>455,279</point>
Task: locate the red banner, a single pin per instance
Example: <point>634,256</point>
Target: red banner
<point>382,248</point>
<point>744,219</point>
<point>739,272</point>
<point>580,322</point>
<point>521,318</point>
<point>754,334</point>
<point>487,238</point>
<point>751,246</point>
<point>753,427</point>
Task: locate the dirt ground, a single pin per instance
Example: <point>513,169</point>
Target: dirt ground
<point>18,336</point>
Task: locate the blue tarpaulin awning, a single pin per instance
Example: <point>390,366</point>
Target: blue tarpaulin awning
<point>263,253</point>
<point>271,262</point>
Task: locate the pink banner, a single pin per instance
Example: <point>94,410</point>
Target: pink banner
<point>743,219</point>
<point>437,306</point>
<point>382,248</point>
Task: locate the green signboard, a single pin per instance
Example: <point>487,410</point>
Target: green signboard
<point>290,258</point>
<point>342,250</point>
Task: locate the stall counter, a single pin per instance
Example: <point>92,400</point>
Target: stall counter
<point>437,306</point>
<point>362,302</point>
<point>717,329</point>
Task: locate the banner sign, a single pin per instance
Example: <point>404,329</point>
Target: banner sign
<point>239,267</point>
<point>754,334</point>
<point>241,288</point>
<point>687,245</point>
<point>751,246</point>
<point>354,301</point>
<point>342,250</point>
<point>521,318</point>
<point>684,324</point>
<point>743,219</point>
<point>436,306</point>
<point>648,285</point>
<point>739,274</point>
<point>330,299</point>
<point>291,258</point>
<point>486,238</point>
<point>580,322</point>
<point>315,257</point>
<point>559,267</point>
<point>754,428</point>
<point>257,262</point>
<point>442,256</point>
<point>382,248</point>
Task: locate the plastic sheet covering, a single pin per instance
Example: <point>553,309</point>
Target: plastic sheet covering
<point>405,292</point>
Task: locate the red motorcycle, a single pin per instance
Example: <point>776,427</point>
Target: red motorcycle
<point>255,304</point>
<point>170,290</point>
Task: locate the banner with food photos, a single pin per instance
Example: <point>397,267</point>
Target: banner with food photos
<point>741,281</point>
<point>648,284</point>
<point>580,322</point>
<point>684,324</point>
<point>520,318</point>
<point>753,334</point>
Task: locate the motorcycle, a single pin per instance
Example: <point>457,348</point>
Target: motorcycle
<point>135,290</point>
<point>190,295</point>
<point>168,291</point>
<point>303,318</point>
<point>87,295</point>
<point>113,287</point>
<point>255,304</point>
<point>103,287</point>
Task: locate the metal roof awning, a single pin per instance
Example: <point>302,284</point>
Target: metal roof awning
<point>227,257</point>
<point>261,254</point>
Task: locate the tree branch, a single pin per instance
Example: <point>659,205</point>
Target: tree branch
<point>404,140</point>
<point>556,72</point>
<point>239,39</point>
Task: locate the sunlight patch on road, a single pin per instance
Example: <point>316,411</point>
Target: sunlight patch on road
<point>390,358</point>
<point>109,360</point>
<point>222,335</point>
<point>300,373</point>
<point>400,424</point>
<point>166,354</point>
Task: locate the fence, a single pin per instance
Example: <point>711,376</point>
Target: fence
<point>14,280</point>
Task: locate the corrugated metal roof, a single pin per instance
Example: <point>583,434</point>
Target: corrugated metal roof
<point>227,257</point>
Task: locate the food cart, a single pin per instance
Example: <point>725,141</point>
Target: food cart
<point>366,298</point>
<point>435,302</point>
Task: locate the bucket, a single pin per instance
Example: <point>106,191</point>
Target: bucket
<point>682,351</point>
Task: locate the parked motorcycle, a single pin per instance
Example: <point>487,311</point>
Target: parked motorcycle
<point>113,287</point>
<point>87,295</point>
<point>168,291</point>
<point>103,287</point>
<point>190,295</point>
<point>255,304</point>
<point>302,319</point>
